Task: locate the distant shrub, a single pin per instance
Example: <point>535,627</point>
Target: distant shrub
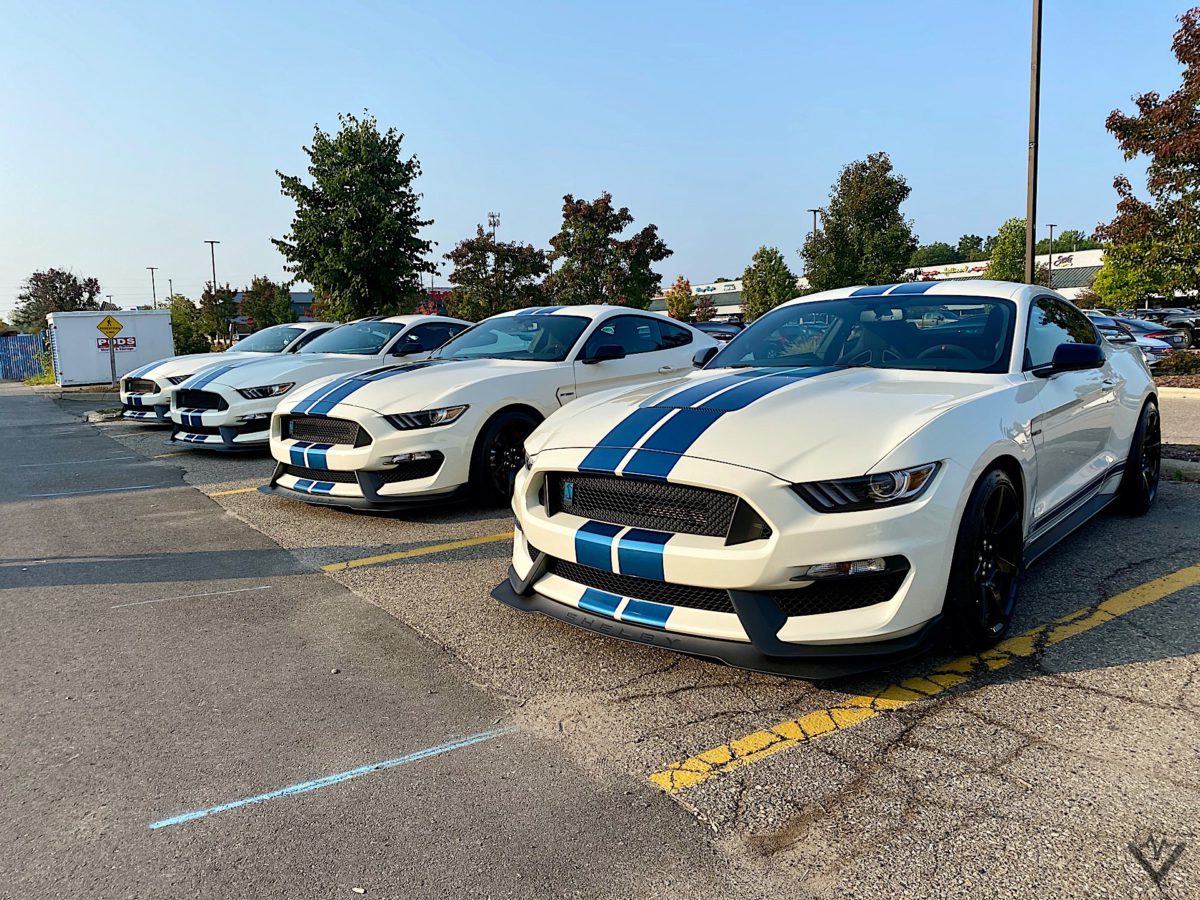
<point>1181,362</point>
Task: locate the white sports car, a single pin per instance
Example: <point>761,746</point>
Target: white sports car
<point>146,391</point>
<point>457,423</point>
<point>229,406</point>
<point>855,468</point>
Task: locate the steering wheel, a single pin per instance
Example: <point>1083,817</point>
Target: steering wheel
<point>949,351</point>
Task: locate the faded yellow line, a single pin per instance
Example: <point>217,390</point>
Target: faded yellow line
<point>237,491</point>
<point>172,453</point>
<point>759,745</point>
<point>417,551</point>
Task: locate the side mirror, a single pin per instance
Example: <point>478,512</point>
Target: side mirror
<point>1072,358</point>
<point>703,356</point>
<point>604,352</point>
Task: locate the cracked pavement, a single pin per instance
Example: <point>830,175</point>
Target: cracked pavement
<point>1028,781</point>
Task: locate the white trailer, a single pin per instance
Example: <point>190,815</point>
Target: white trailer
<point>81,350</point>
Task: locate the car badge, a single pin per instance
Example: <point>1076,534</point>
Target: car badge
<point>568,493</point>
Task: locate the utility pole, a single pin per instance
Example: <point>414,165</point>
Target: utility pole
<point>1050,265</point>
<point>171,287</point>
<point>1035,93</point>
<point>212,247</point>
<point>815,213</point>
<point>153,292</point>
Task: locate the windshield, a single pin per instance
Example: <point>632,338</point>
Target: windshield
<point>946,334</point>
<point>269,340</point>
<point>537,338</point>
<point>363,338</point>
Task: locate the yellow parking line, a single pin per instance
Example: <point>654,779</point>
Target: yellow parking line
<point>759,745</point>
<point>237,491</point>
<point>417,551</point>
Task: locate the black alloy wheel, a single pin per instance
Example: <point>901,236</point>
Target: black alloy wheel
<point>1139,483</point>
<point>986,570</point>
<point>499,454</point>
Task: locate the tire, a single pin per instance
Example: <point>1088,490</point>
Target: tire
<point>499,454</point>
<point>985,572</point>
<point>1143,466</point>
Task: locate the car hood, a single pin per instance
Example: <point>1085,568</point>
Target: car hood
<point>427,384</point>
<point>279,368</point>
<point>190,363</point>
<point>796,424</point>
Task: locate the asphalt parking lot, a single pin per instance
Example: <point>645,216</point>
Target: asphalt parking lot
<point>172,638</point>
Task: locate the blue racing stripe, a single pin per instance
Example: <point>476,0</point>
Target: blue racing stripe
<point>640,553</point>
<point>532,311</point>
<point>693,395</point>
<point>745,394</point>
<point>874,290</point>
<point>643,612</point>
<point>607,454</point>
<point>315,456</point>
<point>674,438</point>
<point>303,484</point>
<point>912,287</point>
<point>593,545</point>
<point>335,396</point>
<point>601,603</point>
<point>204,378</point>
<point>296,452</point>
<point>135,400</point>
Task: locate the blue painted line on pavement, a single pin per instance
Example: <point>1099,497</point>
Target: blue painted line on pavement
<point>306,786</point>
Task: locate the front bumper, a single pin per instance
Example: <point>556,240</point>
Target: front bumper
<point>363,494</point>
<point>223,429</point>
<point>152,408</point>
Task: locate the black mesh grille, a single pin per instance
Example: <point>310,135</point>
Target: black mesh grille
<point>411,471</point>
<point>140,386</point>
<point>820,597</point>
<point>708,599</point>
<point>199,429</point>
<point>189,399</point>
<point>320,474</point>
<point>323,430</point>
<point>676,508</point>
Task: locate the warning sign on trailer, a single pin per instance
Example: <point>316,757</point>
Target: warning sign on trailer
<point>110,327</point>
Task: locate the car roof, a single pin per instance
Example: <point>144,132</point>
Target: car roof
<point>975,287</point>
<point>307,326</point>
<point>410,319</point>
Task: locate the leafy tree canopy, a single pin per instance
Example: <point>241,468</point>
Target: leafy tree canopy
<point>970,248</point>
<point>705,308</point>
<point>491,276</point>
<point>865,239</point>
<point>1130,277</point>
<point>185,326</point>
<point>266,303</point>
<point>217,310</point>
<point>680,300</point>
<point>936,254</point>
<point>766,283</point>
<point>1068,241</point>
<point>54,290</point>
<point>596,264</point>
<point>1165,229</point>
<point>356,232</point>
<point>1008,253</point>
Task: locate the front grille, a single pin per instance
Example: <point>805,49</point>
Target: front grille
<point>189,399</point>
<point>707,599</point>
<point>835,595</point>
<point>140,386</point>
<point>323,430</point>
<point>411,471</point>
<point>199,429</point>
<point>320,474</point>
<point>677,508</point>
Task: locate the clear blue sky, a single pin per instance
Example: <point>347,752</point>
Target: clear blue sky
<point>134,131</point>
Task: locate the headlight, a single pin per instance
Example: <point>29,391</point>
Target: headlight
<point>428,418</point>
<point>869,491</point>
<point>267,390</point>
<point>178,379</point>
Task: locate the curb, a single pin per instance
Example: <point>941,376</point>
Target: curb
<point>1180,470</point>
<point>1180,393</point>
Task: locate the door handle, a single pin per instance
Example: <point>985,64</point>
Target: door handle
<point>1108,383</point>
<point>663,370</point>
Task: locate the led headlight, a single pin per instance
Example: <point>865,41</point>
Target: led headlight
<point>870,491</point>
<point>427,418</point>
<point>264,391</point>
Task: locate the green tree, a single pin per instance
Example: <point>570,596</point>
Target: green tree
<point>766,283</point>
<point>1129,277</point>
<point>491,276</point>
<point>1068,241</point>
<point>356,231</point>
<point>1008,253</point>
<point>970,248</point>
<point>597,265</point>
<point>680,300</point>
<point>54,290</point>
<point>217,310</point>
<point>266,303</point>
<point>186,328</point>
<point>705,308</point>
<point>936,254</point>
<point>1164,231</point>
<point>865,239</point>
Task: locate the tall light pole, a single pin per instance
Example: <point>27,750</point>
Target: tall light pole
<point>153,292</point>
<point>1050,265</point>
<point>171,287</point>
<point>212,247</point>
<point>1035,94</point>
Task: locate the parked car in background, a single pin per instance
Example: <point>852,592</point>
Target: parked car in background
<point>1176,318</point>
<point>1154,351</point>
<point>146,392</point>
<point>720,331</point>
<point>229,406</point>
<point>457,423</point>
<point>1179,340</point>
<point>819,508</point>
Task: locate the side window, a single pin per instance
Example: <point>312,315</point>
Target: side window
<point>673,335</point>
<point>1052,322</point>
<point>309,336</point>
<point>428,337</point>
<point>633,334</point>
